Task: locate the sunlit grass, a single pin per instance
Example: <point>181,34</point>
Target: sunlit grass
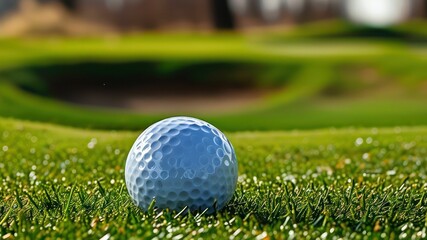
<point>302,64</point>
<point>302,102</point>
<point>69,183</point>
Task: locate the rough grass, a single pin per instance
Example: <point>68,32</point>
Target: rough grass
<point>68,183</point>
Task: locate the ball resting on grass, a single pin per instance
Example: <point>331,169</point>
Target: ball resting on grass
<point>181,162</point>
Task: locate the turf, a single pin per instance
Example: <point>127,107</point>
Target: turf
<point>302,101</point>
<point>306,65</point>
<point>68,183</point>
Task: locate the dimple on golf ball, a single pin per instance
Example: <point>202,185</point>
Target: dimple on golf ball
<point>181,162</point>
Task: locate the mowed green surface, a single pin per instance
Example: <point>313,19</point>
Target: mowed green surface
<point>303,102</point>
<point>67,183</point>
<point>309,62</point>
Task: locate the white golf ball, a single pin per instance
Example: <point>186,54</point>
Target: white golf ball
<point>181,162</point>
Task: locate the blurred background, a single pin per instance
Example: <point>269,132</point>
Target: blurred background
<point>241,64</point>
<point>63,16</point>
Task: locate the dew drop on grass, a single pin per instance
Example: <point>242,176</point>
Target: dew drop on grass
<point>7,236</point>
<point>366,156</point>
<point>403,236</point>
<point>242,178</point>
<point>421,234</point>
<point>32,176</point>
<point>324,235</point>
<point>263,235</point>
<point>92,143</point>
<point>105,237</point>
<point>358,142</point>
<point>117,151</point>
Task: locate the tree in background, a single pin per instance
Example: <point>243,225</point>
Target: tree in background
<point>222,15</point>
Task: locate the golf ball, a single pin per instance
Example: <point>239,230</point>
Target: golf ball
<point>181,162</point>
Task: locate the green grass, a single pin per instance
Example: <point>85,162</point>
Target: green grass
<point>301,115</point>
<point>344,182</point>
<point>303,102</point>
<point>349,183</point>
<point>333,41</point>
<point>305,65</point>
